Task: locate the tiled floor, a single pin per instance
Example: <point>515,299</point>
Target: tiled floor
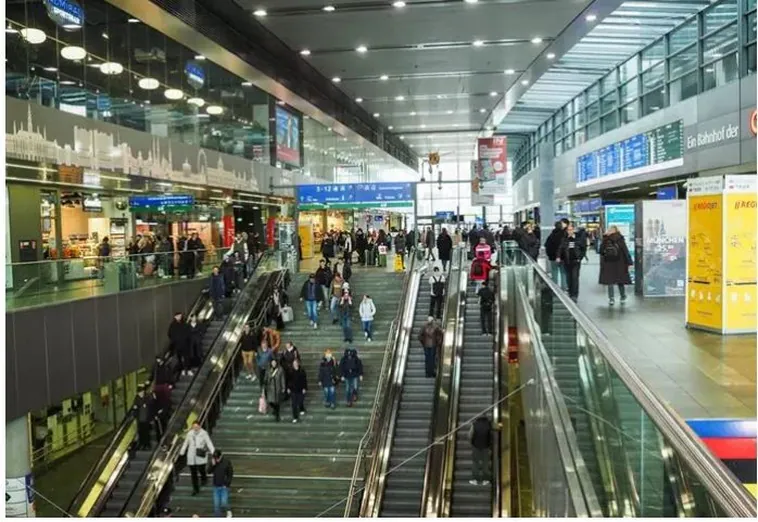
<point>699,374</point>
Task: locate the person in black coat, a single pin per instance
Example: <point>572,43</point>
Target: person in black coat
<point>480,436</point>
<point>552,246</point>
<point>297,386</point>
<point>223,472</point>
<point>196,329</point>
<point>571,253</point>
<point>217,292</point>
<point>615,261</point>
<point>178,335</point>
<point>529,243</point>
<point>444,248</point>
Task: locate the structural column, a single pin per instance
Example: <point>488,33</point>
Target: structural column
<point>546,181</point>
<point>19,497</point>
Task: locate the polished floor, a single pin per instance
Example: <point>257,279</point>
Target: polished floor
<point>699,374</point>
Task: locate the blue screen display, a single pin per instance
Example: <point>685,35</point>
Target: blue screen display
<point>635,151</point>
<point>586,167</point>
<point>168,200</point>
<point>383,192</point>
<point>609,160</point>
<point>325,194</point>
<point>666,192</point>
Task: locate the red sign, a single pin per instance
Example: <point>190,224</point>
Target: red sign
<point>270,232</point>
<point>491,164</point>
<point>228,230</point>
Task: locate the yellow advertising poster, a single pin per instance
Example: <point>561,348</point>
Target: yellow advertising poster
<point>704,261</point>
<point>305,232</point>
<point>740,277</point>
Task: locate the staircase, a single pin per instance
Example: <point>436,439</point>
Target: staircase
<point>404,486</point>
<point>475,395</point>
<point>304,469</point>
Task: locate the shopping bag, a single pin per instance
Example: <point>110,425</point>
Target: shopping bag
<point>262,406</point>
<point>288,315</point>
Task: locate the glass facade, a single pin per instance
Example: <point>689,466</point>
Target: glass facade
<point>712,48</point>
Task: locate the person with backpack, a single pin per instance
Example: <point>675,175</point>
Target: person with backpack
<point>571,253</point>
<point>327,379</point>
<point>400,247</point>
<point>262,360</point>
<point>143,410</point>
<point>480,437</point>
<point>223,472</point>
<point>480,272</point>
<point>615,261</point>
<point>486,303</point>
<point>437,284</point>
<point>431,337</point>
<point>483,250</point>
<point>429,244</point>
<point>272,337</point>
<point>248,347</point>
<point>217,292</point>
<point>367,311</point>
<point>351,368</point>
<point>336,296</point>
<point>552,246</point>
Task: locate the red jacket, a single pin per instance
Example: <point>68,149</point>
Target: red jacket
<point>486,267</point>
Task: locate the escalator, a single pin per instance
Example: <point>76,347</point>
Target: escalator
<point>111,484</point>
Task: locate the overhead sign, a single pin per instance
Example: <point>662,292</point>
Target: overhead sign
<point>445,215</point>
<point>355,195</point>
<point>587,206</point>
<point>174,202</point>
<point>657,149</point>
<point>65,13</point>
<point>491,165</point>
<point>669,192</point>
<point>715,132</point>
<point>195,74</point>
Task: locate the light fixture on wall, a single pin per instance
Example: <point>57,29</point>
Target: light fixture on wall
<point>33,36</point>
<point>111,68</point>
<point>173,94</point>
<point>148,83</point>
<point>73,53</point>
<point>214,110</point>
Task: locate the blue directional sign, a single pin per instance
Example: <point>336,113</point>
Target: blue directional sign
<point>355,195</point>
<point>161,202</point>
<point>586,167</point>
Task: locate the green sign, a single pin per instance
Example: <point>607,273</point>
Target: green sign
<point>666,143</point>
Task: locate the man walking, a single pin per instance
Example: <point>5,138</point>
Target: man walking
<point>481,443</point>
<point>310,294</point>
<point>217,292</point>
<point>437,283</point>
<point>431,340</point>
<point>486,302</point>
<point>222,480</point>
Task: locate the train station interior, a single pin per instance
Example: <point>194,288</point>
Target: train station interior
<point>377,258</point>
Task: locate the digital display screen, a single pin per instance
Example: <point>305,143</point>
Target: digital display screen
<point>287,137</point>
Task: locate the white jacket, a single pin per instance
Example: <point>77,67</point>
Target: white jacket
<point>367,310</point>
<point>193,441</point>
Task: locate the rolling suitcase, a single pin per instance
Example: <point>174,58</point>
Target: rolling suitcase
<point>288,315</point>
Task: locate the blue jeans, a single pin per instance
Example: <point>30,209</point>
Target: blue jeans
<point>312,310</point>
<point>329,395</point>
<point>220,500</point>
<point>429,360</point>
<point>333,307</point>
<point>368,327</point>
<point>558,274</point>
<point>351,386</point>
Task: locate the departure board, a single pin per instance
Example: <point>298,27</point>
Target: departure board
<point>656,149</point>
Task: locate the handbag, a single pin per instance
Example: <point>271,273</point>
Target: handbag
<point>201,453</point>
<point>262,405</point>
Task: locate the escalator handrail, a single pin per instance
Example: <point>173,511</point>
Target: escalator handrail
<point>732,497</point>
<point>365,443</point>
<point>115,476</point>
<point>117,439</point>
<point>437,468</point>
<point>170,447</point>
<point>381,447</point>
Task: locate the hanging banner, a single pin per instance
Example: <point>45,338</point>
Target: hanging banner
<point>740,253</point>
<point>622,217</point>
<point>664,248</point>
<point>228,231</point>
<point>492,165</point>
<point>271,232</point>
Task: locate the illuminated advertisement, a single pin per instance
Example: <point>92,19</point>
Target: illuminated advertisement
<point>287,137</point>
<point>622,217</point>
<point>663,264</point>
<point>492,165</point>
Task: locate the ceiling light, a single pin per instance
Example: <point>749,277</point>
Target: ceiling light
<point>133,21</point>
<point>550,56</point>
<point>359,100</point>
<point>71,27</point>
<point>536,40</point>
<point>111,68</point>
<point>482,111</point>
<point>10,29</point>
<point>471,1</point>
<point>214,110</point>
<point>361,49</point>
<point>423,125</point>
<point>510,71</point>
<point>376,115</point>
<point>411,145</point>
<point>384,77</point>
<point>413,113</point>
<point>197,102</point>
<point>305,52</point>
<point>493,94</point>
<point>450,112</point>
<point>478,43</point>
<point>33,36</point>
<point>67,82</point>
<point>399,98</point>
<point>390,127</point>
<point>173,94</point>
<point>336,79</point>
<point>402,137</point>
<point>328,8</point>
<point>398,4</point>
<point>590,17</point>
<point>524,82</point>
<point>260,13</point>
<point>50,69</point>
<point>199,57</point>
<point>148,84</point>
<point>73,52</point>
<point>105,36</point>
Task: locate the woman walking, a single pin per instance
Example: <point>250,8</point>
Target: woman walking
<point>615,261</point>
<point>367,311</point>
<point>275,387</point>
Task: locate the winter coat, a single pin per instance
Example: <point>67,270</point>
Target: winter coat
<point>351,365</point>
<point>197,440</point>
<point>263,358</point>
<point>429,239</point>
<point>480,434</point>
<point>486,298</point>
<point>297,381</point>
<point>485,270</point>
<point>222,473</point>
<point>553,242</point>
<point>400,243</point>
<point>615,272</point>
<point>569,256</point>
<point>217,288</point>
<point>530,244</point>
<point>275,385</point>
<point>327,247</point>
<point>430,335</point>
<point>367,310</point>
<point>178,335</point>
<point>444,246</point>
<point>289,357</point>
<point>323,276</point>
<point>310,291</point>
<point>249,342</point>
<point>272,337</point>
<point>346,307</point>
<point>327,372</point>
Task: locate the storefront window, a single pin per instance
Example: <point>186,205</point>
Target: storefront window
<point>684,87</point>
<point>720,73</point>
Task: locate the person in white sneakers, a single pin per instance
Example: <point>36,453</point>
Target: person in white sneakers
<point>367,311</point>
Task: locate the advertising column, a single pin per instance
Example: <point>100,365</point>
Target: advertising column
<point>662,227</point>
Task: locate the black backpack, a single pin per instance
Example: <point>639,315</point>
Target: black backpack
<point>611,251</point>
<point>477,269</point>
<point>487,299</point>
<point>438,287</point>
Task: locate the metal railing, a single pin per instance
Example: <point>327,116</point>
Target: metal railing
<point>718,484</point>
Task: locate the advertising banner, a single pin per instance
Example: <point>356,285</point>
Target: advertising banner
<point>664,248</point>
<point>740,255</point>
<point>492,165</point>
<point>19,497</point>
<point>704,260</point>
<point>622,216</point>
<point>287,137</point>
<point>228,231</point>
<point>306,240</point>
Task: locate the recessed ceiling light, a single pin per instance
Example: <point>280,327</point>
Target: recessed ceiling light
<point>384,77</point>
<point>197,102</point>
<point>390,127</point>
<point>591,17</point>
<point>536,40</point>
<point>478,43</point>
<point>423,125</point>
<point>336,79</point>
<point>361,49</point>
<point>148,84</point>
<point>413,113</point>
<point>199,57</point>
<point>133,21</point>
<point>50,69</point>
<point>328,8</point>
<point>471,1</point>
<point>550,56</point>
<point>73,52</point>
<point>399,98</point>
<point>173,94</point>
<point>410,145</point>
<point>482,110</point>
<point>111,68</point>
<point>105,35</point>
<point>214,110</point>
<point>247,84</point>
<point>305,52</point>
<point>510,71</point>
<point>260,13</point>
<point>359,100</point>
<point>376,115</point>
<point>450,112</point>
<point>10,29</point>
<point>493,94</point>
<point>398,4</point>
<point>524,82</point>
<point>402,137</point>
<point>33,36</point>
<point>67,82</point>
